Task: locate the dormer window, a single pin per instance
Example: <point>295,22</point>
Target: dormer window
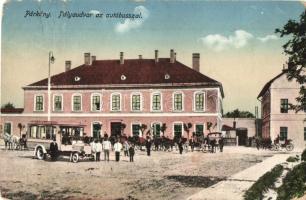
<point>123,77</point>
<point>77,78</point>
<point>167,76</point>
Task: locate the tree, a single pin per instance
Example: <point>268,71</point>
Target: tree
<point>163,128</point>
<point>20,126</point>
<point>295,49</point>
<point>187,128</point>
<point>143,127</point>
<point>209,125</point>
<point>239,114</point>
<point>8,105</point>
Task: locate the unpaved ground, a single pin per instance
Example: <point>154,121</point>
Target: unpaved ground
<point>164,175</point>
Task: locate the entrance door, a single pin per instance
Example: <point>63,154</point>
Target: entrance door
<point>242,136</point>
<point>96,130</point>
<point>115,128</point>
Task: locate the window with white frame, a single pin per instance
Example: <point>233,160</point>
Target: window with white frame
<point>136,98</point>
<point>178,102</point>
<point>116,102</point>
<point>156,129</point>
<point>199,129</point>
<point>58,103</point>
<point>39,103</point>
<point>199,101</point>
<point>136,130</point>
<point>8,127</point>
<point>178,130</point>
<point>96,102</point>
<point>156,102</point>
<point>77,103</point>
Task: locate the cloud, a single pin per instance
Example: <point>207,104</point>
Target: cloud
<point>94,12</point>
<point>219,42</point>
<point>267,38</point>
<point>129,24</point>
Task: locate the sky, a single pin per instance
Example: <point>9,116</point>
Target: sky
<point>235,39</point>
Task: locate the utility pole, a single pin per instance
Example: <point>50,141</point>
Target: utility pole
<point>51,61</point>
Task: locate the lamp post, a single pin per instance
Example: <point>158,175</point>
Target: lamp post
<point>51,61</point>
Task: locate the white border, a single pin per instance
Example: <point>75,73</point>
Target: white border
<point>53,102</point>
<point>43,101</point>
<point>91,98</point>
<point>175,123</point>
<point>194,101</point>
<point>173,101</point>
<point>161,101</point>
<point>136,123</point>
<point>91,128</point>
<point>12,129</point>
<point>73,95</point>
<point>131,101</point>
<point>111,102</point>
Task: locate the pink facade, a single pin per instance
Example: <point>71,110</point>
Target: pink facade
<point>105,117</point>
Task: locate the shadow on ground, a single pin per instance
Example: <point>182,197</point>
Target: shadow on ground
<point>196,181</point>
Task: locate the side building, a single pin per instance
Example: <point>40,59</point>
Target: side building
<point>103,95</point>
<point>277,118</point>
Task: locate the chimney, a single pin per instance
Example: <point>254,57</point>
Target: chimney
<point>67,65</point>
<point>87,58</point>
<point>93,58</point>
<point>175,57</point>
<point>121,58</point>
<point>140,57</point>
<point>156,56</point>
<point>196,61</point>
<point>172,56</point>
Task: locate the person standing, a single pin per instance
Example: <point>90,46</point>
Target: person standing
<point>132,152</point>
<point>221,144</point>
<point>148,146</point>
<point>126,148</point>
<point>117,147</point>
<point>93,148</point>
<point>180,145</point>
<point>98,149</point>
<point>106,146</point>
<point>53,149</point>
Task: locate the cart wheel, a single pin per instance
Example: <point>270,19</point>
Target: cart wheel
<point>40,154</point>
<point>289,147</point>
<point>75,157</point>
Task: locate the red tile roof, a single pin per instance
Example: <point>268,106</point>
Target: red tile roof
<point>136,71</point>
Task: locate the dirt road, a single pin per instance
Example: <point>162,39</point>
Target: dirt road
<point>164,175</point>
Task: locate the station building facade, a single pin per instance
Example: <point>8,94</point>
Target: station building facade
<point>277,118</point>
<point>103,95</point>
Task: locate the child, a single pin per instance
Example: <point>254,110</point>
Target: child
<point>132,152</point>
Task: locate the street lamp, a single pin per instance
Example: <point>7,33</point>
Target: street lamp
<point>51,61</point>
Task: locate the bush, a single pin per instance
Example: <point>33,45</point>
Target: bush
<point>293,159</point>
<point>293,183</point>
<point>261,186</point>
<point>303,156</point>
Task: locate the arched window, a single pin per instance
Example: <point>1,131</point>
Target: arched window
<point>76,102</point>
<point>96,102</point>
<point>116,102</point>
<point>156,101</point>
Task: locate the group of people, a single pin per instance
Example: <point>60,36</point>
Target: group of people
<point>97,147</point>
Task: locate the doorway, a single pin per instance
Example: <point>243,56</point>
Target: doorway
<point>115,128</point>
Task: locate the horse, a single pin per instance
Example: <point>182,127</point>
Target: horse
<point>12,141</point>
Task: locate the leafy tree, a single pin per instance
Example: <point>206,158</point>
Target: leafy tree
<point>209,125</point>
<point>8,105</point>
<point>295,49</point>
<point>239,114</point>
